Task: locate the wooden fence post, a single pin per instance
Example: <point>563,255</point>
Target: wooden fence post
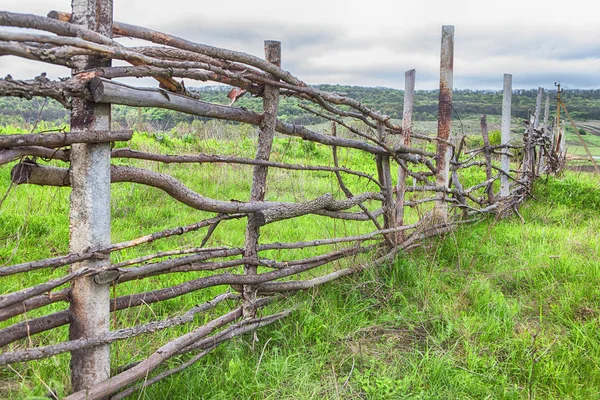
<point>385,178</point>
<point>528,165</point>
<point>409,95</point>
<point>90,210</point>
<point>259,179</point>
<point>562,144</point>
<point>444,150</point>
<point>506,114</point>
<point>488,158</point>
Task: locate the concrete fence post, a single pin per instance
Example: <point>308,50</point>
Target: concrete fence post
<point>506,114</point>
<point>543,153</point>
<point>537,152</point>
<point>444,150</point>
<point>90,210</point>
<point>405,138</point>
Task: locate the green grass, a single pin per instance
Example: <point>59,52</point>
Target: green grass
<point>575,147</point>
<point>497,309</point>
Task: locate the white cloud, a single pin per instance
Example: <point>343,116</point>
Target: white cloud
<point>373,43</point>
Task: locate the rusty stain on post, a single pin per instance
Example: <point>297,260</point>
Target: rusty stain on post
<point>444,151</point>
<point>90,210</point>
<point>506,113</point>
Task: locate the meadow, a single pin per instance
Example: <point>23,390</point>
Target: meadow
<point>496,309</point>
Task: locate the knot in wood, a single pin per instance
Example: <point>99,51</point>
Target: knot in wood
<point>22,171</point>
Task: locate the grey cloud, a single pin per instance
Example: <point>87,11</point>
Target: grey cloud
<point>250,33</point>
<point>534,54</point>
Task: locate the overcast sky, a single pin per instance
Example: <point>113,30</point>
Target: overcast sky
<point>372,43</point>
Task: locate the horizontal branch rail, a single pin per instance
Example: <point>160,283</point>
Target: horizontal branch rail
<point>53,176</point>
<point>102,252</point>
<point>37,353</point>
<point>63,139</point>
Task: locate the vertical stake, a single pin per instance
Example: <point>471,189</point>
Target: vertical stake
<point>90,210</point>
<point>444,151</point>
<point>385,178</point>
<point>506,114</point>
<point>488,158</point>
<point>544,149</point>
<point>409,95</point>
<point>536,155</point>
<point>557,121</point>
<point>266,134</point>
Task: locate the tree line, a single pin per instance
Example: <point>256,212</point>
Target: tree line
<point>583,105</point>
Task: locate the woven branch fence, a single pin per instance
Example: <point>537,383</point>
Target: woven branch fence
<point>83,41</point>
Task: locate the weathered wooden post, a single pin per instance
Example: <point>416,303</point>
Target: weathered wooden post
<point>266,134</point>
<point>90,210</point>
<point>385,178</point>
<point>557,122</point>
<point>527,143</point>
<point>562,144</point>
<point>488,158</point>
<point>405,138</point>
<point>506,114</point>
<point>444,151</point>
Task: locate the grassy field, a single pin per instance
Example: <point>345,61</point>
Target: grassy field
<point>498,309</point>
<point>574,146</point>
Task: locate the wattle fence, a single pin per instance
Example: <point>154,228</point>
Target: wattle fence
<point>83,41</point>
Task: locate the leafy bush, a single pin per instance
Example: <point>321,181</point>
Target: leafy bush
<point>495,137</point>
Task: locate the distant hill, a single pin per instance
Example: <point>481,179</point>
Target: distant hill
<point>583,105</point>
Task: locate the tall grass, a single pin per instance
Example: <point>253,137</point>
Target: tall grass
<point>498,309</point>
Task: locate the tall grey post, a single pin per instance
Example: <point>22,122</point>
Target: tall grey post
<point>506,113</point>
<point>409,95</point>
<point>444,150</point>
<point>542,160</point>
<point>90,210</point>
<point>535,163</point>
<point>546,113</point>
<point>538,107</point>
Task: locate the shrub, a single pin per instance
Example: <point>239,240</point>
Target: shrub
<point>495,137</point>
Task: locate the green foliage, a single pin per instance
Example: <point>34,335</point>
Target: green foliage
<point>473,142</point>
<point>582,132</point>
<point>495,137</point>
<point>583,105</point>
